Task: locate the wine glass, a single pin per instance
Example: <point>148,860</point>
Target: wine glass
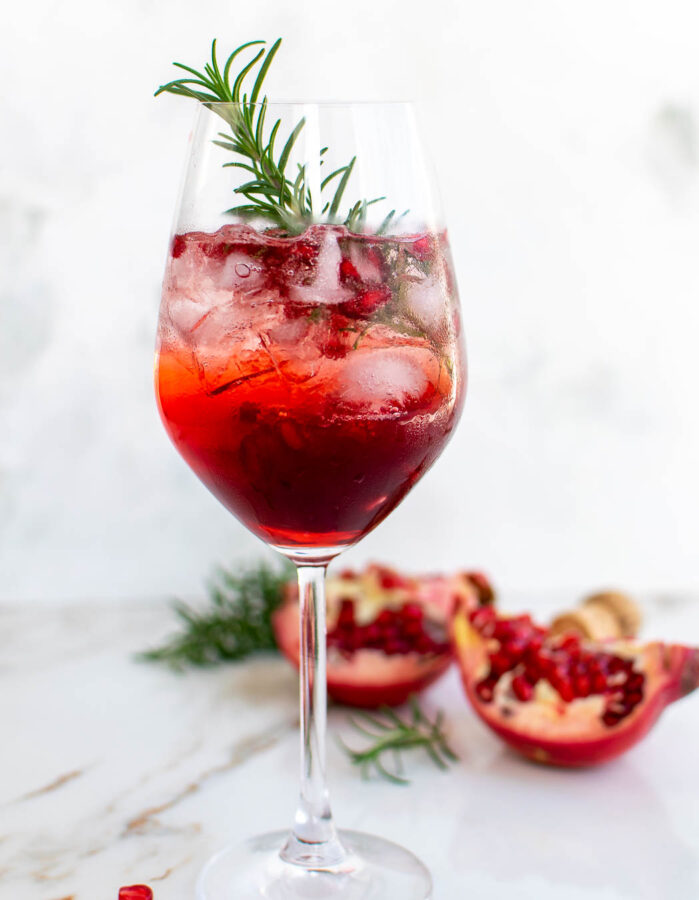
<point>310,370</point>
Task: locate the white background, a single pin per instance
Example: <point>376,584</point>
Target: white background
<point>566,136</point>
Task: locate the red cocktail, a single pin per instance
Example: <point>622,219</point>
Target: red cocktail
<point>309,381</point>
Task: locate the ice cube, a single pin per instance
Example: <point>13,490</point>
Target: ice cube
<point>293,349</point>
<point>383,380</point>
<point>366,260</point>
<point>325,288</point>
<point>426,302</point>
<point>242,273</point>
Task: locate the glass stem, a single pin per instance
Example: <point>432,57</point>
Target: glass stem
<point>313,842</point>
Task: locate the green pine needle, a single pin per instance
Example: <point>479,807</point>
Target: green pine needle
<point>236,623</point>
<point>388,733</point>
<point>272,194</point>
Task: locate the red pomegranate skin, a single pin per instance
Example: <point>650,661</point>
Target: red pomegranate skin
<point>578,736</point>
<point>391,643</point>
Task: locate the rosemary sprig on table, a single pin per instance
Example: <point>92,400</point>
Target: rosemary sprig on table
<point>236,623</point>
<point>388,733</point>
<point>272,193</point>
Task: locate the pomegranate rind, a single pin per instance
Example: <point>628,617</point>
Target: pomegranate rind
<point>368,678</point>
<point>573,734</point>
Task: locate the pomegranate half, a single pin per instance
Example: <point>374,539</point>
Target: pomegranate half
<point>387,633</point>
<point>562,700</point>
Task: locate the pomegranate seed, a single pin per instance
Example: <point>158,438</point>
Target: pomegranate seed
<point>346,614</point>
<point>616,664</point>
<point>412,611</point>
<point>533,672</point>
<point>635,682</point>
<point>547,664</point>
<point>483,620</point>
<point>179,245</point>
<point>522,689</point>
<point>486,689</point>
<point>633,699</point>
<point>422,248</point>
<point>565,689</point>
<point>535,644</point>
<point>582,685</point>
<point>348,270</point>
<point>504,629</point>
<point>412,629</point>
<point>516,648</point>
<point>305,251</point>
<point>334,348</point>
<point>388,579</point>
<point>373,633</point>
<point>598,683</point>
<point>136,892</point>
<point>571,646</point>
<point>611,718</point>
<point>366,302</point>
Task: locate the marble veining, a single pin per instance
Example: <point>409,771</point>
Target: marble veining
<point>115,772</point>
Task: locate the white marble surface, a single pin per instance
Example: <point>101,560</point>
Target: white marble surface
<point>115,772</point>
<point>566,136</point>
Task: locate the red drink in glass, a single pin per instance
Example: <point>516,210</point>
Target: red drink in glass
<point>309,381</point>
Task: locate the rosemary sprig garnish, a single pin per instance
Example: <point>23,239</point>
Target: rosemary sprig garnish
<point>272,193</point>
<point>235,624</point>
<point>388,733</point>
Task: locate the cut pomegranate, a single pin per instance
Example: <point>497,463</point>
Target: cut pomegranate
<point>562,700</point>
<point>136,892</point>
<point>387,632</point>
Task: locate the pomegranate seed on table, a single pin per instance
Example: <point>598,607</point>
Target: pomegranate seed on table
<point>136,892</point>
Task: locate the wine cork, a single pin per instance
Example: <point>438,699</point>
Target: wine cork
<point>592,622</point>
<point>622,606</point>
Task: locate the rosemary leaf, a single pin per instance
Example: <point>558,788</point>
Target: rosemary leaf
<point>236,623</point>
<point>389,733</point>
<point>287,204</point>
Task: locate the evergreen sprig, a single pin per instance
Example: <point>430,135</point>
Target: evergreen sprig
<point>388,733</point>
<point>236,623</point>
<point>272,192</point>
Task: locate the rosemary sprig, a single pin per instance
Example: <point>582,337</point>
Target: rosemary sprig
<point>236,623</point>
<point>388,733</point>
<point>272,193</point>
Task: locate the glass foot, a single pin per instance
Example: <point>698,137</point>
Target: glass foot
<point>373,869</point>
